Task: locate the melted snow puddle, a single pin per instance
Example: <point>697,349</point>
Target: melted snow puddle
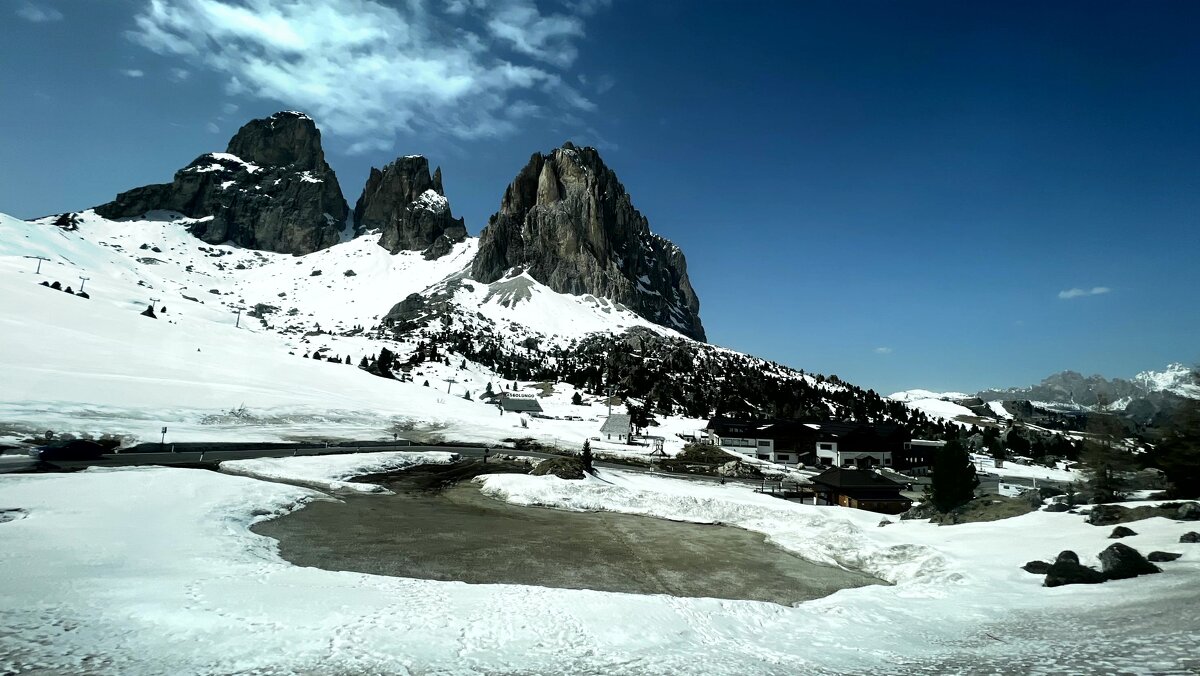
<point>459,534</point>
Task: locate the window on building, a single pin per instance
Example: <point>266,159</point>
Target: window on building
<point>825,447</point>
<point>764,442</point>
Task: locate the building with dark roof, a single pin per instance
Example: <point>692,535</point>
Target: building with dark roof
<point>519,404</point>
<point>860,489</point>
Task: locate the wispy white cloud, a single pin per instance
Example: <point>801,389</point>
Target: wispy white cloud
<point>883,350</point>
<point>133,72</point>
<point>368,71</point>
<point>180,74</point>
<point>1079,293</point>
<point>38,13</point>
<point>212,128</point>
<point>544,37</point>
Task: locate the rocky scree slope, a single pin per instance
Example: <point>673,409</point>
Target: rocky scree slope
<point>270,190</point>
<point>408,206</point>
<point>567,221</point>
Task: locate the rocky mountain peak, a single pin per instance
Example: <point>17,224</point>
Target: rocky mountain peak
<point>270,190</point>
<point>409,208</point>
<point>284,139</point>
<point>568,222</point>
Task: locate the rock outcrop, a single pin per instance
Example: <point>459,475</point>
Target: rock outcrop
<point>270,190</point>
<point>1066,569</point>
<point>409,207</point>
<point>1120,561</point>
<point>567,221</point>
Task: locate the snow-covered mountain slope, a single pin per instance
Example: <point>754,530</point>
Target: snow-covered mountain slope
<point>1176,379</point>
<point>225,357</point>
<point>937,405</point>
<point>95,364</point>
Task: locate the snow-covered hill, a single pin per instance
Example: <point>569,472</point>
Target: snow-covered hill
<point>97,365</point>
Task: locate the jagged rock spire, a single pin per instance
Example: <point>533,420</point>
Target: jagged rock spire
<point>567,221</point>
<point>409,208</point>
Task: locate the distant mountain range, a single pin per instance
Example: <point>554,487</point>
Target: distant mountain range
<point>1141,398</point>
<point>1072,390</point>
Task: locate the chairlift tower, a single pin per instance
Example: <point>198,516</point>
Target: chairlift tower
<point>39,263</point>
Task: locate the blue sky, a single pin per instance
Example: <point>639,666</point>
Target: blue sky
<point>944,195</point>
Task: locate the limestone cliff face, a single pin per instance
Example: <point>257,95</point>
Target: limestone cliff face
<point>568,222</point>
<point>408,206</point>
<point>271,190</point>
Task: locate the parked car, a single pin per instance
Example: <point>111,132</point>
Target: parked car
<point>76,449</point>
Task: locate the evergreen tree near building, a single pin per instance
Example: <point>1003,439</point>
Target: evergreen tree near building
<point>954,479</point>
<point>586,456</point>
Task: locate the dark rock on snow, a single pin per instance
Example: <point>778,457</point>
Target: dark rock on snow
<point>1105,515</point>
<point>1068,571</point>
<point>1188,511</point>
<point>1161,557</point>
<point>1067,556</point>
<point>410,209</point>
<point>1121,532</point>
<point>1120,561</point>
<point>567,221</point>
<point>563,468</point>
<point>1057,507</point>
<point>1191,537</point>
<point>270,190</point>
<point>1037,567</point>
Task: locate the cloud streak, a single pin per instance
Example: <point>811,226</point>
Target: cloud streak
<point>1080,293</point>
<point>369,71</point>
<point>38,13</point>
<point>883,350</point>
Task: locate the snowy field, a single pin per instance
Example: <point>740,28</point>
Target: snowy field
<point>154,570</point>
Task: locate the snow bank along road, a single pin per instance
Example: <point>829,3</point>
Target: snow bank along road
<point>154,570</point>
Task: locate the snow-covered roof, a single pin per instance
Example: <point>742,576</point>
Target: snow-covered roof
<point>617,423</point>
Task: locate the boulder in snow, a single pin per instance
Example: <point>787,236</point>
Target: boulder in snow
<point>1188,511</point>
<point>1121,532</point>
<point>1160,557</point>
<point>1120,561</point>
<point>1037,567</point>
<point>1190,537</point>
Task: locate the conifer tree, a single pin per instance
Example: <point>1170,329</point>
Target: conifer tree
<point>954,479</point>
<point>586,456</point>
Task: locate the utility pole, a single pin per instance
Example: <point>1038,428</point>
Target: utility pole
<point>82,281</point>
<point>238,322</point>
<point>39,263</point>
<point>153,302</point>
<point>449,381</point>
